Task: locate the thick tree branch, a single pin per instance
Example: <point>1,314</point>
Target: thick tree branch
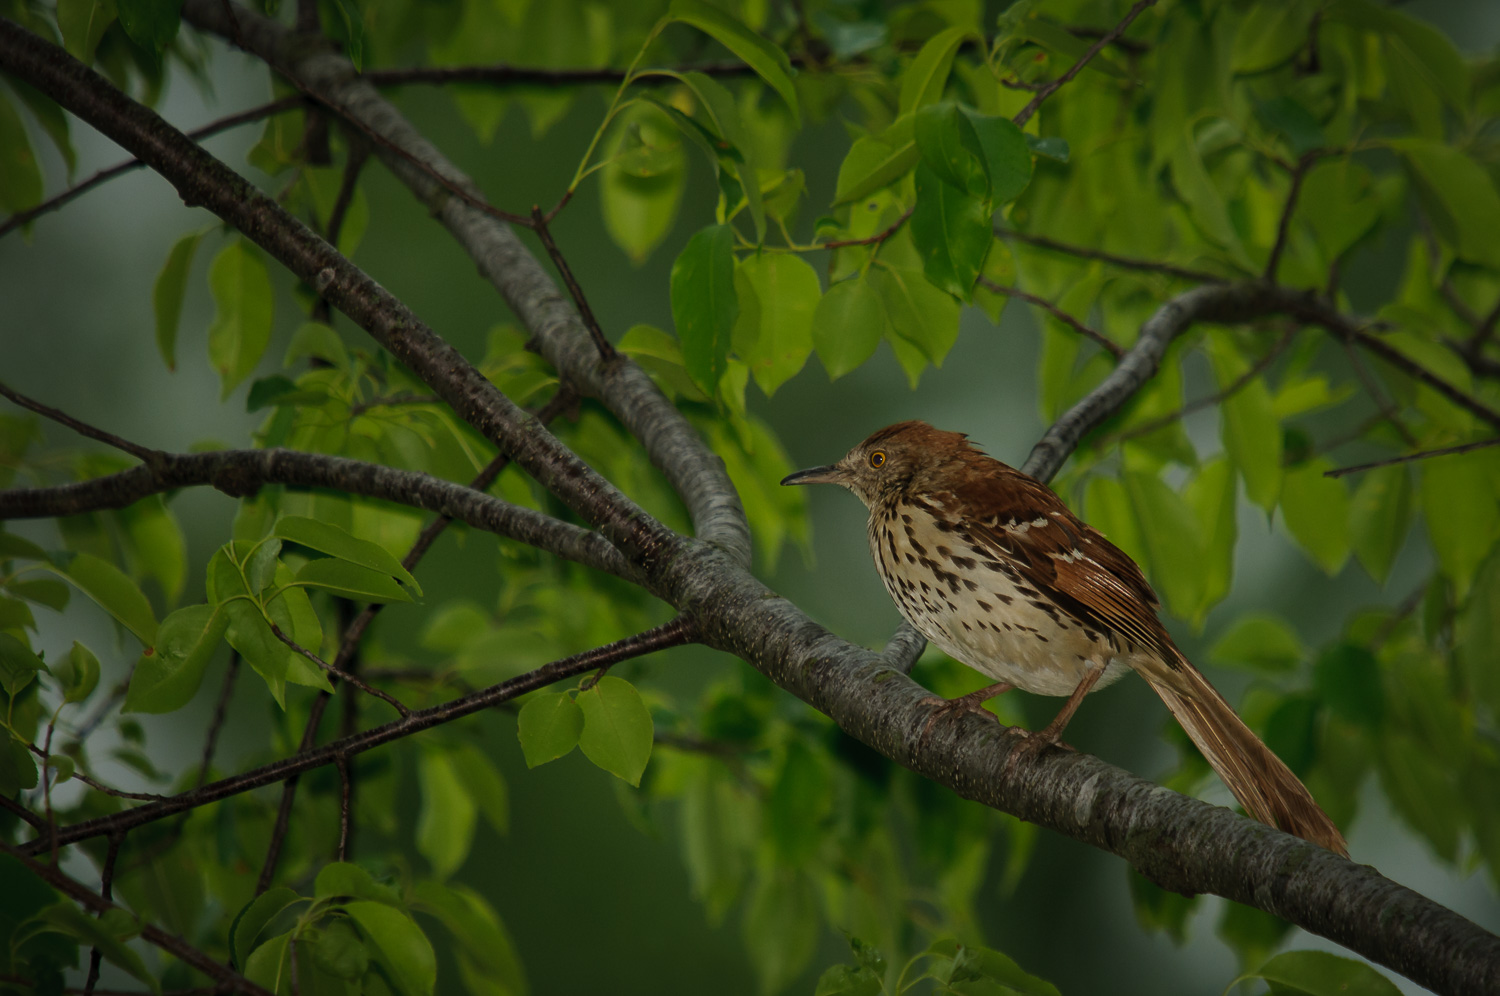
<point>696,474</point>
<point>203,180</point>
<point>241,472</point>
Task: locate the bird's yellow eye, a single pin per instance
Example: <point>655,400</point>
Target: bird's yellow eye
<point>877,459</point>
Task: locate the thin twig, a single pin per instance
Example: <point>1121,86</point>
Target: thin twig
<point>679,631</point>
<point>392,400</point>
<point>539,225</point>
<point>1228,391</point>
<point>106,890</point>
<point>345,807</point>
<point>1104,40</point>
<point>221,710</point>
<point>213,128</point>
<point>1284,224</point>
<point>359,153</point>
<point>873,239</point>
<point>103,709</point>
<point>1124,262</point>
<point>1105,343</point>
<point>1408,457</point>
<point>1384,405</point>
<point>340,674</point>
<point>26,815</point>
<point>503,74</point>
<point>141,453</point>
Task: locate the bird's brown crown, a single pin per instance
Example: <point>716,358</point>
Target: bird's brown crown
<point>905,458</point>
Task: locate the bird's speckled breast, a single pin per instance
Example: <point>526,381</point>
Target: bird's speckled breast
<point>978,609</point>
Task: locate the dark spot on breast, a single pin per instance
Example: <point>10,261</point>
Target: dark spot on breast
<point>911,558</point>
<point>962,563</point>
<point>1004,599</point>
<point>983,605</point>
<point>970,585</point>
<point>906,518</point>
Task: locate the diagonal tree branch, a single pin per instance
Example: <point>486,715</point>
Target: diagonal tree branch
<point>1024,115</point>
<point>695,473</point>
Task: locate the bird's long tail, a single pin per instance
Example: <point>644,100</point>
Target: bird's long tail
<point>1259,780</point>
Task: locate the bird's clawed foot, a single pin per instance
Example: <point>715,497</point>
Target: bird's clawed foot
<point>1035,744</point>
<point>973,702</point>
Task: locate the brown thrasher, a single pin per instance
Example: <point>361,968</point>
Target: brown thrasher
<point>989,564</point>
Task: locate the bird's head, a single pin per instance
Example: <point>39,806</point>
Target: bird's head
<point>905,458</point>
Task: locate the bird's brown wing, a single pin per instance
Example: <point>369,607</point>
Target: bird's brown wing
<point>1061,555</point>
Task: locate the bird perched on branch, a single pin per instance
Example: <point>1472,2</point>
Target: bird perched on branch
<point>993,568</point>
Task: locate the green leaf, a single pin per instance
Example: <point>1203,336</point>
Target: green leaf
<point>1459,196</point>
<point>168,676</point>
<point>315,340</point>
<point>970,964</point>
<point>1347,678</point>
<point>17,768</point>
<point>486,955</point>
<point>241,329</point>
<point>1252,435</point>
<point>1158,909</point>
<point>83,23</point>
<point>1463,518</point>
<point>250,634</point>
<point>1270,34</point>
<point>1420,787</point>
<point>704,307</point>
<point>548,726</point>
<point>617,728</point>
<point>20,174</point>
<point>640,196</point>
<point>351,581</point>
<point>918,312</point>
<point>1379,517</point>
<point>107,585</point>
<point>340,952</point>
<point>768,60</point>
<point>330,539</point>
<point>1317,513</point>
<point>151,24</point>
<point>1477,636</point>
<point>253,919</point>
<point>66,917</point>
<point>1051,147</point>
<point>445,823</point>
<point>16,615</point>
<point>341,878</point>
<point>847,326</point>
<point>44,591</point>
<point>13,547</point>
<point>1212,494</point>
<point>1318,973</point>
<point>739,159</point>
<point>1007,154</point>
<point>999,268</point>
<point>18,665</point>
<point>952,232</point>
<point>484,783</point>
<point>788,294</point>
<point>52,119</point>
<point>848,980</point>
<point>1171,538</point>
<point>1205,201</point>
<point>78,673</point>
<point>950,149</point>
<point>875,161</point>
<point>923,81</point>
<point>781,927</point>
<point>398,944</point>
<point>1260,643</point>
<point>800,800</point>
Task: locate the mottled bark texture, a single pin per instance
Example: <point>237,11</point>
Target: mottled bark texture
<point>1181,843</point>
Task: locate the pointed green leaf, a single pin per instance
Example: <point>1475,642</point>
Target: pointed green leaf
<point>640,198</point>
<point>704,307</point>
<point>1007,155</point>
<point>445,823</point>
<point>330,539</point>
<point>1379,518</point>
<point>548,727</point>
<point>250,634</point>
<point>923,81</point>
<point>253,918</point>
<point>617,728</point>
<point>116,594</point>
<point>343,878</point>
<point>398,943</point>
<point>19,665</point>
<point>486,954</point>
<point>69,919</point>
<point>1252,434</point>
<point>168,292</point>
<point>17,767</point>
<point>1317,513</point>
<point>20,174</point>
<point>151,24</point>
<point>952,232</point>
<point>847,325</point>
<point>1212,495</point>
<point>1463,518</point>
<point>83,23</point>
<point>168,676</point>
<point>768,60</point>
<point>241,329</point>
<point>78,673</point>
<point>1318,973</point>
<point>351,581</point>
<point>918,312</point>
<point>1260,643</point>
<point>1170,534</point>
<point>875,161</point>
<point>788,293</point>
<point>950,148</point>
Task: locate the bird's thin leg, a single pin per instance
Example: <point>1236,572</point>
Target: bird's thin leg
<point>1051,734</point>
<point>973,702</point>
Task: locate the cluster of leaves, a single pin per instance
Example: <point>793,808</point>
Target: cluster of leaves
<point>1183,148</point>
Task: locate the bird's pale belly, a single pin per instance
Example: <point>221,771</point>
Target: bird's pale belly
<point>980,614</point>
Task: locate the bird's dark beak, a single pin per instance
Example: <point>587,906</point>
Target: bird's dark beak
<point>831,474</point>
